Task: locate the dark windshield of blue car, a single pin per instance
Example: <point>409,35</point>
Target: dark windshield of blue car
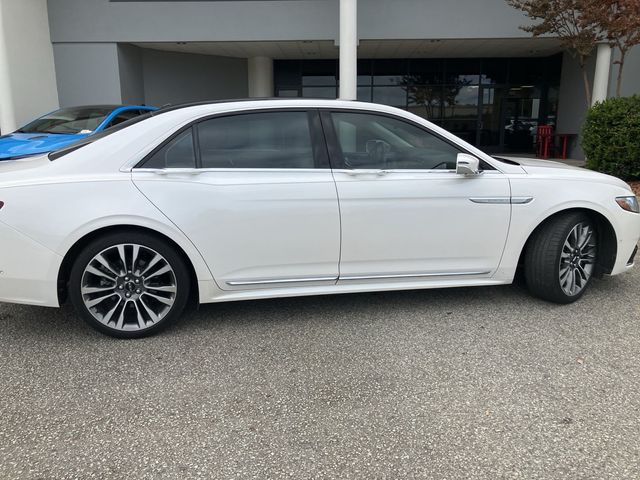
<point>68,121</point>
<point>92,138</point>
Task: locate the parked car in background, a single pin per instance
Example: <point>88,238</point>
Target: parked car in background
<point>277,198</point>
<point>58,129</point>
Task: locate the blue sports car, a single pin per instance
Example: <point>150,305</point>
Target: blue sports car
<point>62,127</point>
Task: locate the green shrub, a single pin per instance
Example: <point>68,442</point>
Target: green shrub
<point>611,137</point>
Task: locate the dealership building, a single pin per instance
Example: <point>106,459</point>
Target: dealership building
<point>463,64</point>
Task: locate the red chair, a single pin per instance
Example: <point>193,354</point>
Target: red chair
<point>543,140</point>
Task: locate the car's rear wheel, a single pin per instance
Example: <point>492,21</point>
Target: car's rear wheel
<point>561,258</point>
<point>129,284</point>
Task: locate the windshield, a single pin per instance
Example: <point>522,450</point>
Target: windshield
<point>87,140</point>
<point>68,121</point>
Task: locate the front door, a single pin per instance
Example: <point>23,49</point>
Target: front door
<point>405,212</point>
<point>255,194</point>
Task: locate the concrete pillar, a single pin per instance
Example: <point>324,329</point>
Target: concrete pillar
<point>601,76</point>
<point>260,77</point>
<point>27,74</point>
<point>348,49</point>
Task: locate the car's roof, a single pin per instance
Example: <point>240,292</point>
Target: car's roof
<point>285,102</point>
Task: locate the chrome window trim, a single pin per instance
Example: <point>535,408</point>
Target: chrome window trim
<point>409,170</point>
<point>306,170</point>
<point>166,171</point>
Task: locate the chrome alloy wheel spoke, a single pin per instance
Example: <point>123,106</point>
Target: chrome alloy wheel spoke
<point>577,259</point>
<point>128,287</point>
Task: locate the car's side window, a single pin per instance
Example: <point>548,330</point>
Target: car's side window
<point>257,140</point>
<point>370,141</point>
<point>179,152</point>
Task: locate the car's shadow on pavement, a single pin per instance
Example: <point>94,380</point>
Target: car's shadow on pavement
<point>39,323</point>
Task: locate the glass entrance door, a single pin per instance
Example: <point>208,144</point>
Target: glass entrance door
<point>490,136</point>
<point>522,111</point>
<point>508,118</point>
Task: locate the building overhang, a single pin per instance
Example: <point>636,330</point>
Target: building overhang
<point>370,48</point>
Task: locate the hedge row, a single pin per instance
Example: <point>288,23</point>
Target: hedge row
<point>611,137</point>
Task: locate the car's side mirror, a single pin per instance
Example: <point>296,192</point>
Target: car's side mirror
<point>467,165</point>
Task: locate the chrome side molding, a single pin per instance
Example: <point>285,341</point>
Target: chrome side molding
<point>281,280</point>
<point>502,200</point>
<point>412,275</point>
<point>284,281</point>
<point>521,200</point>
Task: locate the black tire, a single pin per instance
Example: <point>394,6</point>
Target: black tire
<point>543,255</point>
<point>149,244</point>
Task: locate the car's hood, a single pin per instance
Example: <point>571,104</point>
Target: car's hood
<point>525,162</point>
<point>20,144</point>
<point>551,169</point>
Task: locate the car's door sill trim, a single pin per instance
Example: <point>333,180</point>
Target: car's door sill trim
<point>238,283</point>
<point>412,275</point>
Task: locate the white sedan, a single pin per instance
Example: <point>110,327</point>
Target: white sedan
<point>273,198</point>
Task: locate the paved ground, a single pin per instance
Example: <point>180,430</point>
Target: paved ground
<point>463,383</point>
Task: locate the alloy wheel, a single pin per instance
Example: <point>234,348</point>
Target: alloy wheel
<point>577,259</point>
<point>128,287</point>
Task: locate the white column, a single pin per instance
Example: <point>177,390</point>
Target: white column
<point>7,113</point>
<point>348,49</point>
<point>260,77</point>
<point>27,74</point>
<point>601,76</point>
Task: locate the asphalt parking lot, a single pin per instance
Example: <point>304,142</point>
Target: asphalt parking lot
<point>460,383</point>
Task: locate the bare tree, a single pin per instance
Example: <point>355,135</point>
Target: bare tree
<point>572,21</point>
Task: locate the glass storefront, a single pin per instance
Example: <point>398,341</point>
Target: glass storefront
<point>494,103</point>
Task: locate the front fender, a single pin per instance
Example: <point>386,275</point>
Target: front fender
<point>551,196</point>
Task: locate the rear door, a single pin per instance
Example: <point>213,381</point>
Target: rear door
<point>255,194</point>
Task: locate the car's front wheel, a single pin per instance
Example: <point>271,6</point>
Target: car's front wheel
<point>129,284</point>
<point>561,258</point>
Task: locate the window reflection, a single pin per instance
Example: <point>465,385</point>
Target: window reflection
<point>460,101</point>
<point>364,80</point>
<point>288,92</point>
<point>426,71</point>
<point>485,101</point>
<point>364,94</point>
<point>425,101</point>
<point>463,128</point>
<point>318,80</point>
<point>394,96</point>
<point>462,71</point>
<point>522,117</point>
<point>387,79</point>
<point>319,92</point>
